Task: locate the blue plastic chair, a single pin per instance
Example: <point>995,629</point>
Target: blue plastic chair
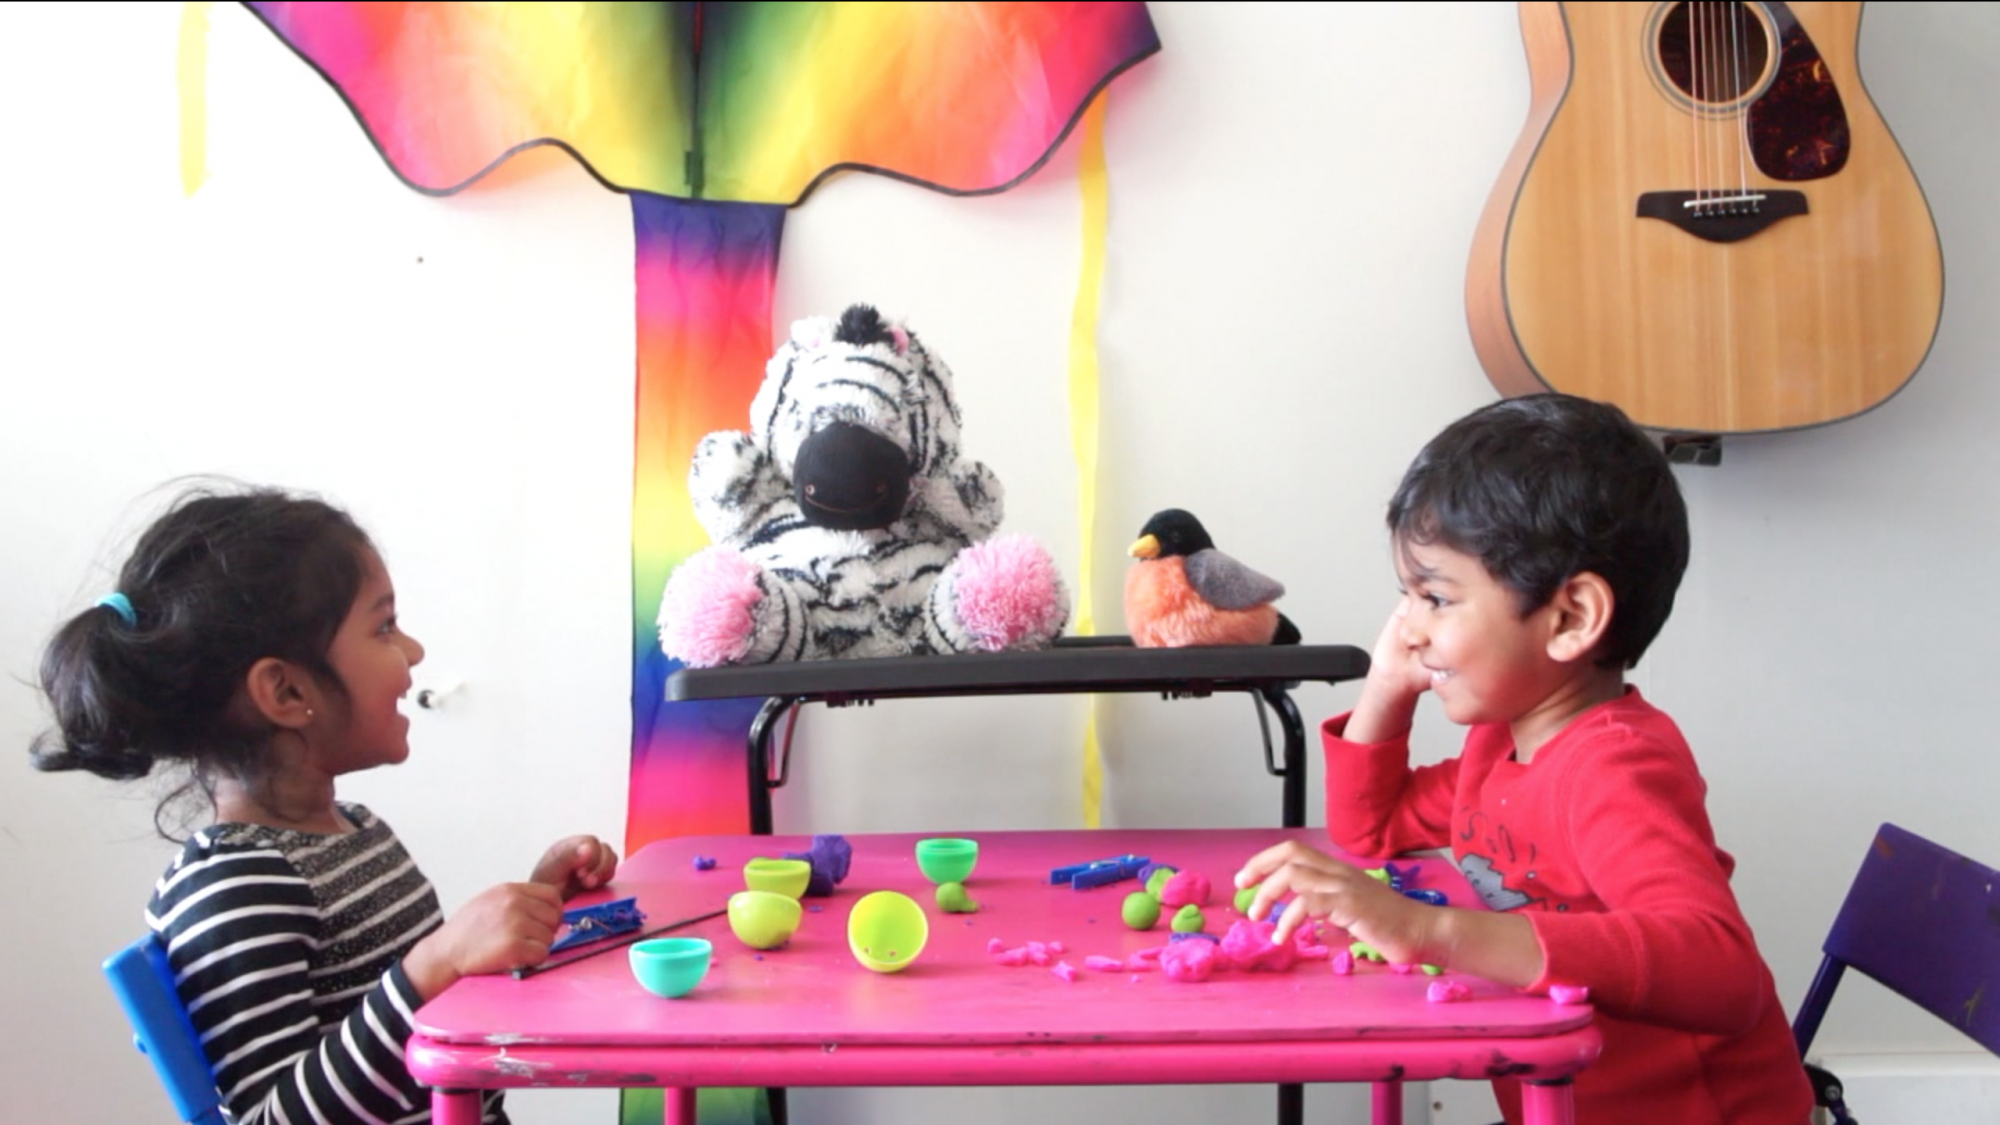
<point>144,985</point>
<point>1925,921</point>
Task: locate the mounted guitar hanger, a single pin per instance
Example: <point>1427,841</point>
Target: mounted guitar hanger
<point>1704,222</point>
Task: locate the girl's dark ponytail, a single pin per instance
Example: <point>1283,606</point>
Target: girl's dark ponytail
<point>151,674</point>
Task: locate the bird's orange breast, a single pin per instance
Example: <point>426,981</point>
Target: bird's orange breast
<point>1163,611</point>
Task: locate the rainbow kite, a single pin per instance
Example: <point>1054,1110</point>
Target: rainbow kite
<point>714,118</point>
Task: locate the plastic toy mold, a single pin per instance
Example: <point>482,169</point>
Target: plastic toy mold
<point>671,966</point>
<point>786,877</point>
<point>886,930</point>
<point>763,919</point>
<point>944,860</point>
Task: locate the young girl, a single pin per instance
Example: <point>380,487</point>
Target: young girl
<point>253,641</point>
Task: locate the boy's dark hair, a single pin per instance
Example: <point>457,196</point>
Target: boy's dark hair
<point>224,578</point>
<point>1543,487</point>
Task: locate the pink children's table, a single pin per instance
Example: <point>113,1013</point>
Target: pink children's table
<point>808,1014</point>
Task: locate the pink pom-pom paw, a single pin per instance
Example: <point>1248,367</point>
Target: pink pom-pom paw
<point>1003,593</point>
<point>709,611</point>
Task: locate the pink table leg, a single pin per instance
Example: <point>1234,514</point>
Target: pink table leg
<point>455,1107</point>
<point>1548,1103</point>
<point>680,1105</point>
<point>1387,1104</point>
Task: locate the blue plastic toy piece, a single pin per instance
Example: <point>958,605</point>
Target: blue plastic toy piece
<point>1099,876</point>
<point>586,924</point>
<point>1402,878</point>
<point>1098,872</point>
<point>144,985</point>
<point>1435,898</point>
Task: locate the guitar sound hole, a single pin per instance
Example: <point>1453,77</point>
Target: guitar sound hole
<point>1715,54</point>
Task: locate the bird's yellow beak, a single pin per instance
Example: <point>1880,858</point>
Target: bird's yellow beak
<point>1146,547</point>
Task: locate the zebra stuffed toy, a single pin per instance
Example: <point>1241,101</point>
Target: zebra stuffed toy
<point>846,522</point>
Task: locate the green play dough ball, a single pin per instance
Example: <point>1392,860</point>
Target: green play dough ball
<point>1244,898</point>
<point>1141,910</point>
<point>952,899</point>
<point>1158,879</point>
<point>1189,920</point>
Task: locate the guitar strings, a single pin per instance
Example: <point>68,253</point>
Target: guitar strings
<point>1736,94</point>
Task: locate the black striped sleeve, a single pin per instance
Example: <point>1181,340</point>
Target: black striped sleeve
<point>241,927</point>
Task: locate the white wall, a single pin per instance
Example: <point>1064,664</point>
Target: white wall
<point>1293,193</point>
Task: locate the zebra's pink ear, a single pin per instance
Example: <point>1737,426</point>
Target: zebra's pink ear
<point>902,338</point>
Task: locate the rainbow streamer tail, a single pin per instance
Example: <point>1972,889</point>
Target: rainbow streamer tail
<point>705,273</point>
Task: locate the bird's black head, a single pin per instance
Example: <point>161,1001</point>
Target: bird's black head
<point>1177,532</point>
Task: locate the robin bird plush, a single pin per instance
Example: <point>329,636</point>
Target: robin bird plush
<point>1184,592</point>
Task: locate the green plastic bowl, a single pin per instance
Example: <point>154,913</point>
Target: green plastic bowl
<point>945,860</point>
<point>763,919</point>
<point>779,876</point>
<point>886,930</point>
<point>671,966</point>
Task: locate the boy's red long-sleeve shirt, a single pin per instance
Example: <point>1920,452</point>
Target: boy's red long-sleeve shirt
<point>1602,842</point>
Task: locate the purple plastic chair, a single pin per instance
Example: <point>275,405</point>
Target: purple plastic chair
<point>1924,921</point>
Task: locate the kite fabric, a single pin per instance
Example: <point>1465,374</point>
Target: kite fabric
<point>745,102</point>
<point>715,118</point>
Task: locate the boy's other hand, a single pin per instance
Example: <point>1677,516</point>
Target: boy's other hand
<point>1322,887</point>
<point>575,864</point>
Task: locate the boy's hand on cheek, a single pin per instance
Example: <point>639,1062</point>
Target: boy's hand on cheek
<point>1395,680</point>
<point>576,864</point>
<point>1393,666</point>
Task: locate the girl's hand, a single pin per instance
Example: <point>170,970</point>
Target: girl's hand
<point>576,864</point>
<point>1323,887</point>
<point>500,929</point>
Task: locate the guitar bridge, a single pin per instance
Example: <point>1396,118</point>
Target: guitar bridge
<point>1721,216</point>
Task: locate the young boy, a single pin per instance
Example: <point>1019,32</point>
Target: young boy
<point>1539,542</point>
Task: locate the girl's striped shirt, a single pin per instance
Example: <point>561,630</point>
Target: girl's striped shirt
<point>287,949</point>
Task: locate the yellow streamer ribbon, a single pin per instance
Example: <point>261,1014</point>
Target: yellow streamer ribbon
<point>191,75</point>
<point>1083,408</point>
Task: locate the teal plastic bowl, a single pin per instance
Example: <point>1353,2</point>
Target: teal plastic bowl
<point>671,966</point>
<point>945,860</point>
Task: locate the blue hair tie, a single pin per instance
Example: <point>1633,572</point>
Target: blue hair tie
<point>122,606</point>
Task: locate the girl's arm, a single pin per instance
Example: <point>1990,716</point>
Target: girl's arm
<point>240,928</point>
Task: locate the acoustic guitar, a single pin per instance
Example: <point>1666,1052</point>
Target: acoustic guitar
<point>1705,221</point>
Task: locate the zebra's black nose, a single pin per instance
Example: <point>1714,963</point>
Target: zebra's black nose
<point>850,478</point>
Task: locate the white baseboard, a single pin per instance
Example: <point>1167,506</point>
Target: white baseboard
<point>1881,1089</point>
<point>1912,1089</point>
